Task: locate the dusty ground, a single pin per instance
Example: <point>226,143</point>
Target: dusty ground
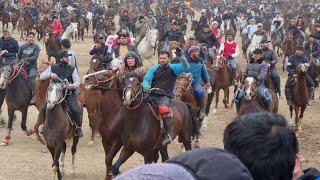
<point>23,159</point>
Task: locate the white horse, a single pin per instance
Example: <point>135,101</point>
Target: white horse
<point>71,32</point>
<point>148,44</point>
<point>254,44</point>
<point>89,17</point>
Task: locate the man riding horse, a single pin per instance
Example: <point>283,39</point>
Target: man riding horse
<point>132,64</point>
<point>257,68</point>
<point>162,77</point>
<point>142,27</point>
<point>278,22</point>
<point>199,76</point>
<point>66,72</point>
<point>100,49</point>
<point>312,50</point>
<point>29,53</point>
<point>292,66</point>
<point>271,58</point>
<point>208,38</point>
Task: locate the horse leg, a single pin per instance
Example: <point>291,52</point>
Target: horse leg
<point>124,156</point>
<point>55,165</point>
<point>217,100</point>
<point>7,137</point>
<point>226,97</point>
<point>73,152</point>
<point>164,153</point>
<point>51,150</point>
<point>148,158</point>
<point>296,110</point>
<point>112,151</point>
<point>2,96</point>
<point>92,124</point>
<point>63,153</point>
<point>303,108</point>
<point>24,113</point>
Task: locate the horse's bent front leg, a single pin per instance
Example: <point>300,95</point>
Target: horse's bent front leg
<point>124,156</point>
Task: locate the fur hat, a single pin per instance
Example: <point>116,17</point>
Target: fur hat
<point>193,48</point>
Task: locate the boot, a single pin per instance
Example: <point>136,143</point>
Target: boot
<point>311,94</point>
<point>237,106</point>
<point>288,96</point>
<point>202,112</point>
<point>234,77</point>
<point>168,127</point>
<point>269,106</point>
<point>33,85</point>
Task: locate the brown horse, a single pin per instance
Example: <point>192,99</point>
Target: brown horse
<point>52,45</point>
<point>300,95</point>
<point>26,24</point>
<point>183,92</point>
<point>10,17</point>
<point>82,25</point>
<point>58,127</point>
<point>223,80</point>
<point>41,28</point>
<point>143,128</point>
<point>251,103</point>
<point>111,126</point>
<point>45,8</point>
<point>288,49</point>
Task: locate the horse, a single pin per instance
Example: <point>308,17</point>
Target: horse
<point>300,96</point>
<point>52,45</point>
<point>223,80</point>
<point>111,126</point>
<point>58,127</point>
<point>143,129</point>
<point>41,28</point>
<point>252,104</point>
<point>254,44</point>
<point>70,32</point>
<point>276,39</point>
<point>26,24</point>
<point>81,26</point>
<point>288,49</point>
<point>191,13</point>
<point>147,46</point>
<point>183,92</point>
<point>10,17</point>
<point>13,78</point>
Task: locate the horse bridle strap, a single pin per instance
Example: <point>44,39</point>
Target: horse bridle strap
<point>135,97</point>
<point>16,72</point>
<point>103,81</point>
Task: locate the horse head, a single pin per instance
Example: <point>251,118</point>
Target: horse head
<point>219,62</point>
<point>95,65</point>
<point>56,92</point>
<point>132,89</point>
<point>74,27</point>
<point>103,79</point>
<point>302,68</point>
<point>182,86</point>
<point>250,88</point>
<point>5,74</point>
<point>152,37</point>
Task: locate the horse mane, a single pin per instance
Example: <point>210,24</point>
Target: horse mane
<point>134,74</point>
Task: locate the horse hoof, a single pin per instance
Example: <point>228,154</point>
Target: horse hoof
<point>29,132</point>
<point>73,172</point>
<point>300,129</point>
<point>91,143</point>
<point>4,142</point>
<point>204,125</point>
<point>227,106</point>
<point>214,111</point>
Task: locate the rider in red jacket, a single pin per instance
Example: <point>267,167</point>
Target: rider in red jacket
<point>57,27</point>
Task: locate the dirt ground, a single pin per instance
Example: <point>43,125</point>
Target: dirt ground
<point>23,159</point>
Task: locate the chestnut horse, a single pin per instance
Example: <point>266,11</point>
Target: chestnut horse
<point>143,128</point>
<point>251,103</point>
<point>300,95</point>
<point>111,126</point>
<point>223,80</point>
<point>13,18</point>
<point>26,24</point>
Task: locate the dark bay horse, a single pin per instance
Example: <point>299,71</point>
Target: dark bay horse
<point>223,80</point>
<point>288,49</point>
<point>41,28</point>
<point>10,17</point>
<point>143,129</point>
<point>111,125</point>
<point>300,96</point>
<point>26,24</point>
<point>14,79</point>
<point>58,127</point>
<point>251,103</point>
<point>52,45</point>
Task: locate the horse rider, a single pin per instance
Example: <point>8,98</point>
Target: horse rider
<point>77,11</point>
<point>208,38</point>
<point>151,20</point>
<point>278,22</point>
<point>7,42</point>
<point>175,9</point>
<point>230,50</point>
<point>301,24</point>
<point>101,27</point>
<point>123,47</point>
<point>199,76</point>
<point>292,65</point>
<point>63,12</point>
<point>250,29</point>
<point>191,41</point>
<point>174,34</point>
<point>65,71</point>
<point>271,58</point>
<point>100,49</point>
<point>34,12</point>
<point>29,53</point>
<point>260,32</point>
<point>142,27</point>
<point>163,76</point>
<point>312,50</point>
<point>316,34</point>
<point>229,15</point>
<point>258,69</point>
<point>203,19</point>
<point>216,31</point>
<point>65,46</point>
<point>124,21</point>
<point>294,29</point>
<point>57,28</point>
<point>132,64</point>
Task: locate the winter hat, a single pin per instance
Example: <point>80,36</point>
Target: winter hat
<point>193,48</point>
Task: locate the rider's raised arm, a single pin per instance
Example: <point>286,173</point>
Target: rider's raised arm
<point>46,74</point>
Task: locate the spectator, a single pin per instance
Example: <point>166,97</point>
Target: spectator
<point>65,46</point>
<point>7,42</point>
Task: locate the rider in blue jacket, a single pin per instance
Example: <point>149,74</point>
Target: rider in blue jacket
<point>199,76</point>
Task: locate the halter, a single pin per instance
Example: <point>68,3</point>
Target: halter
<point>16,71</point>
<point>135,97</point>
<point>65,93</point>
<point>103,81</point>
<point>220,63</point>
<point>251,88</point>
<point>183,88</point>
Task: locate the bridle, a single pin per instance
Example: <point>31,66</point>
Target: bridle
<point>183,88</point>
<point>135,98</point>
<point>63,88</point>
<point>97,81</point>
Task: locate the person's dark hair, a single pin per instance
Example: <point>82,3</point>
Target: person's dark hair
<point>264,143</point>
<point>164,52</point>
<point>66,43</point>
<point>311,35</point>
<point>125,35</point>
<point>257,51</point>
<point>31,33</point>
